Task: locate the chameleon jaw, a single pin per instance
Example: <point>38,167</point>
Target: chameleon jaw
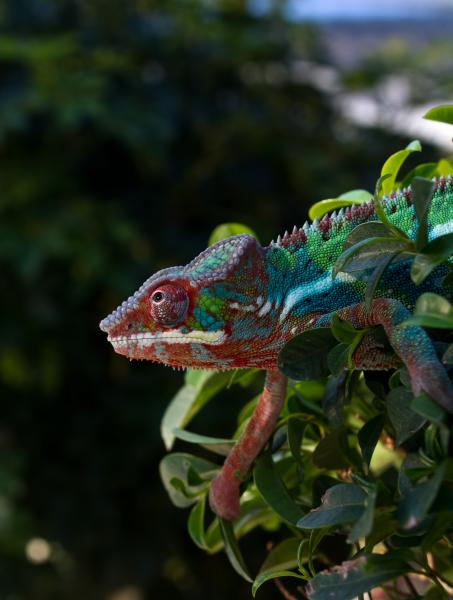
<point>144,340</point>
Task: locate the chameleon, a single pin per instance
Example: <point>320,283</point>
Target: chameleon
<point>237,304</point>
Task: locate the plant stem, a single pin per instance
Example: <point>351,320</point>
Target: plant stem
<point>283,591</point>
<point>410,585</point>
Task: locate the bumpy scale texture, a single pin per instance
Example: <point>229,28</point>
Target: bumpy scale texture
<point>237,304</point>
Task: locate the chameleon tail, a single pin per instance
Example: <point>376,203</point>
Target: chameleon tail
<point>224,493</point>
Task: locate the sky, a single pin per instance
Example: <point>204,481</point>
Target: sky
<point>358,9</point>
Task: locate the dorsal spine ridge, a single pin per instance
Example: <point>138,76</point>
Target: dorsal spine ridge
<point>344,212</point>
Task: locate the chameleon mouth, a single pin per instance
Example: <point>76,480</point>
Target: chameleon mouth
<point>173,336</point>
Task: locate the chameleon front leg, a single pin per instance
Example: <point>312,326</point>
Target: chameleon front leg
<point>411,343</point>
<point>224,493</point>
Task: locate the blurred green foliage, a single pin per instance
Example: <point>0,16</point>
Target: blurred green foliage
<point>127,132</point>
<point>423,74</point>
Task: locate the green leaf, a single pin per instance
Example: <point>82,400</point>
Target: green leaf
<point>309,390</point>
<point>436,444</point>
<point>364,231</point>
<point>416,502</point>
<point>434,321</point>
<point>367,253</point>
<point>273,490</point>
<point>282,556</point>
<point>357,576</point>
<point>232,550</point>
<point>253,513</point>
<point>305,356</point>
<point>357,195</point>
<point>342,330</point>
<point>195,524</point>
<point>414,146</point>
<point>443,562</point>
<point>308,394</point>
<point>277,564</point>
<point>316,537</point>
<point>410,462</point>
<point>395,379</point>
<point>273,575</point>
<point>443,113</point>
<point>380,212</point>
<point>226,230</point>
<point>217,445</point>
<point>332,451</point>
<point>405,421</point>
<point>384,526</point>
<point>441,246</point>
<point>422,194</point>
<point>432,310</point>
<point>337,359</point>
<point>427,170</point>
<point>341,504</point>
<point>444,167</point>
<point>364,524</point>
<point>336,394</point>
<point>373,281</point>
<point>176,467</point>
<point>442,522</point>
<point>433,303</point>
<point>200,386</point>
<point>424,406</point>
<point>393,164</point>
<point>295,435</point>
<point>369,436</point>
<point>422,266</point>
<point>319,209</point>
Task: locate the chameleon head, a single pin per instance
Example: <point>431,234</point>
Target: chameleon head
<point>200,315</point>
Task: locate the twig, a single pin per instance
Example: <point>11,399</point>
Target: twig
<point>410,585</point>
<point>283,591</point>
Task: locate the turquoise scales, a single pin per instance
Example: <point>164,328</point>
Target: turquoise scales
<point>237,304</point>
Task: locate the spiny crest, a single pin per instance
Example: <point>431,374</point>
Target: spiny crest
<point>299,236</point>
<point>363,211</point>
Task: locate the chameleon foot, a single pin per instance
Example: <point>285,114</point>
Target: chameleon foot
<point>411,343</point>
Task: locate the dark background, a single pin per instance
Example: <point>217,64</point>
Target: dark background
<point>128,131</point>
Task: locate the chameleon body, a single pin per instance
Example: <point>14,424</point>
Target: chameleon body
<point>237,304</point>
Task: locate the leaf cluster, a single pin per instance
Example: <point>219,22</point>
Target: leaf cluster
<point>348,460</point>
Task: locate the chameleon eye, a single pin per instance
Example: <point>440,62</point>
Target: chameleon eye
<point>169,304</point>
<point>158,297</point>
